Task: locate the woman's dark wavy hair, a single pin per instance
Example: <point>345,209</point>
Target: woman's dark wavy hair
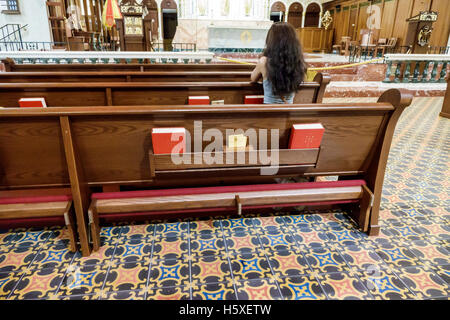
<point>286,67</point>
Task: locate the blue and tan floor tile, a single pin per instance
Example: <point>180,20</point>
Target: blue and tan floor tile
<point>302,254</point>
<point>258,289</point>
<point>169,293</point>
<point>344,286</point>
<point>169,273</point>
<point>250,266</point>
<point>84,280</point>
<point>210,269</point>
<point>214,291</point>
<point>38,284</point>
<point>383,283</point>
<point>288,263</point>
<point>424,283</point>
<point>301,288</point>
<point>207,244</point>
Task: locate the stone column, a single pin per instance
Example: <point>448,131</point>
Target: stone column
<point>320,19</point>
<point>303,18</point>
<point>160,22</point>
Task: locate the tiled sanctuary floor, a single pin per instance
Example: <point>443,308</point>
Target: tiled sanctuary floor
<point>296,255</point>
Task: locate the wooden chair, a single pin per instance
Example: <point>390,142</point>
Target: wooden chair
<point>343,47</point>
<point>380,47</point>
<point>390,46</point>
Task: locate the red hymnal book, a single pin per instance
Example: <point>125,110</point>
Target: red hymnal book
<point>199,100</point>
<point>168,140</point>
<point>306,136</point>
<point>32,103</point>
<point>254,99</point>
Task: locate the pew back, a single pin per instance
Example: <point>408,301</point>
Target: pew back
<point>77,94</point>
<point>124,76</point>
<point>10,66</point>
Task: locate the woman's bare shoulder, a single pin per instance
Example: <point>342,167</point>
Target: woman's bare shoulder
<point>263,60</point>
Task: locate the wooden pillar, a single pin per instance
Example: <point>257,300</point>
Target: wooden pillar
<point>86,16</point>
<point>160,26</point>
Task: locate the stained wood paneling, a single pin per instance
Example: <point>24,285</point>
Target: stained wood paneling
<point>388,19</point>
<point>394,14</point>
<point>441,27</point>
<point>420,5</point>
<point>403,13</point>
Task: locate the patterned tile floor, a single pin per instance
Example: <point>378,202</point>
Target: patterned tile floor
<point>296,255</point>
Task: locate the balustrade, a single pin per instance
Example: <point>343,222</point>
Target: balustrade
<point>415,68</point>
<point>93,57</point>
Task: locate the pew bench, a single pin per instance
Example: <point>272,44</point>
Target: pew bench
<point>38,211</point>
<point>132,204</point>
<point>87,148</point>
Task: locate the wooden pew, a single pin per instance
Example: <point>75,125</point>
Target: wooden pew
<point>125,76</point>
<point>78,94</point>
<point>10,66</point>
<point>93,147</point>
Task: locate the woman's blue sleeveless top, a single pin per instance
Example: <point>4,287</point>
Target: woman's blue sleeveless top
<point>270,98</point>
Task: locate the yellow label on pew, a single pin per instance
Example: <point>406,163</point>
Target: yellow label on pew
<point>237,141</point>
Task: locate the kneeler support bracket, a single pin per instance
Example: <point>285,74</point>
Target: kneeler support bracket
<point>238,205</point>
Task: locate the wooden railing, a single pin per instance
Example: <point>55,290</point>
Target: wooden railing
<point>415,68</point>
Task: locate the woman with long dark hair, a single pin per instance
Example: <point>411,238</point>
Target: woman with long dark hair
<point>282,65</point>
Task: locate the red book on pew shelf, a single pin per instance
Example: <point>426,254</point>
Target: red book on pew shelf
<point>254,99</point>
<point>306,136</point>
<point>168,140</point>
<point>32,103</point>
<point>198,100</point>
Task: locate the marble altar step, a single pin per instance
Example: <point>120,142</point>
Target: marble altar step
<point>347,89</point>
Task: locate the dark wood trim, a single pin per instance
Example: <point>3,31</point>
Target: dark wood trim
<point>376,170</point>
<point>445,112</point>
<point>80,192</point>
<point>172,110</point>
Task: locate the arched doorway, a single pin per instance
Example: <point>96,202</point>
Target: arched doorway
<point>277,12</point>
<point>169,22</point>
<point>312,15</point>
<point>295,14</point>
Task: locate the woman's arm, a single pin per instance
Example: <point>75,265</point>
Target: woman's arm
<point>259,69</point>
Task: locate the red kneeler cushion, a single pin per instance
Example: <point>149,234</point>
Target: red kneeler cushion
<point>31,199</point>
<point>32,222</point>
<point>225,189</point>
<point>239,188</point>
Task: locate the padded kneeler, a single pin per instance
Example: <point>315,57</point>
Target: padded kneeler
<point>39,211</point>
<point>131,204</point>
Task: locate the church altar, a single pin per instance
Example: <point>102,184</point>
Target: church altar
<point>232,38</point>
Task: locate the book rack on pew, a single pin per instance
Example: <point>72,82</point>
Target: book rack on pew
<point>91,149</point>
